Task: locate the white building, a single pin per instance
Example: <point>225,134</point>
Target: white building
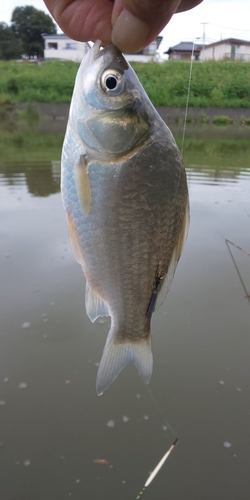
<point>149,53</point>
<point>230,48</point>
<point>63,47</point>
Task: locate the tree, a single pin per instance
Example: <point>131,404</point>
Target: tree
<point>29,25</point>
<point>10,47</point>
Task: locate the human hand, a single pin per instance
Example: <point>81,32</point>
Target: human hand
<point>129,24</point>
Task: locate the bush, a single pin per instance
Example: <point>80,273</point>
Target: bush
<point>213,83</point>
<point>222,120</point>
<point>30,115</point>
<point>245,121</point>
<point>204,119</point>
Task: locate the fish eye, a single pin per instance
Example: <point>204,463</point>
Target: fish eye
<point>112,82</point>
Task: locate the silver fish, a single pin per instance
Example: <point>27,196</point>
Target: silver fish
<point>125,195</point>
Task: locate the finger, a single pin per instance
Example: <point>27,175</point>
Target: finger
<point>83,20</point>
<point>188,4</point>
<point>137,22</point>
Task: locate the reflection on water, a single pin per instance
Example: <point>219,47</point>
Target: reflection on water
<point>221,176</point>
<point>44,178</point>
<point>41,180</point>
<point>57,438</point>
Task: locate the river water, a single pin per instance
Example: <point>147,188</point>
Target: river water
<point>54,430</point>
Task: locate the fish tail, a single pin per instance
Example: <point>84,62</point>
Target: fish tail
<point>117,355</point>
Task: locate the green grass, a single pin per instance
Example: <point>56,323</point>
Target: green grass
<point>214,83</point>
<point>216,151</point>
<point>47,82</point>
<point>27,142</point>
<point>30,144</point>
<point>29,115</point>
<point>245,121</point>
<point>222,120</point>
<point>204,119</point>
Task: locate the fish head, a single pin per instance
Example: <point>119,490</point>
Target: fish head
<point>109,105</point>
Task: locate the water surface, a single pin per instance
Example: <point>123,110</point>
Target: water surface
<point>53,426</point>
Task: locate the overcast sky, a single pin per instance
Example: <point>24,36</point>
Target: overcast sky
<point>224,18</point>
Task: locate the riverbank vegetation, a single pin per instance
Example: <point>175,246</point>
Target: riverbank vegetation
<point>214,83</point>
<point>25,141</point>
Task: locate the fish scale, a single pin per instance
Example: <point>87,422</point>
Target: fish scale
<point>127,211</point>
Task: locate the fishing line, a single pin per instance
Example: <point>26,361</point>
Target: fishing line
<point>237,246</point>
<point>166,455</point>
<point>236,267</point>
<point>150,310</point>
<point>160,411</point>
<point>188,94</point>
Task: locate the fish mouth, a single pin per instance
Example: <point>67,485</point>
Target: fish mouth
<point>96,48</point>
<point>110,54</point>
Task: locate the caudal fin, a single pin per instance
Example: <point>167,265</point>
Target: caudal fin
<point>117,355</point>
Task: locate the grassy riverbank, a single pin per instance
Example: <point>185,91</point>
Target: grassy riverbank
<point>27,142</point>
<point>214,83</point>
<point>36,131</point>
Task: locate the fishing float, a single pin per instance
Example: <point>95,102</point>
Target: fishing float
<point>157,468</point>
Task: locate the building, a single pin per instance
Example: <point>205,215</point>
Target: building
<point>230,48</point>
<point>148,54</point>
<point>63,47</point>
<point>184,50</point>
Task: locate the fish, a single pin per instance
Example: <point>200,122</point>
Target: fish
<point>125,194</point>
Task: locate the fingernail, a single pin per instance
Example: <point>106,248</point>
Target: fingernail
<point>129,32</point>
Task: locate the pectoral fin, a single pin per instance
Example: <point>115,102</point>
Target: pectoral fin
<point>83,184</point>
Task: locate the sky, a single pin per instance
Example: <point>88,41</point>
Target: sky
<point>224,18</point>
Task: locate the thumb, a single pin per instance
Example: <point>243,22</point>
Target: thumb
<point>136,23</point>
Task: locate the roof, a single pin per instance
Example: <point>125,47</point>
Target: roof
<point>233,41</point>
<point>55,35</point>
<point>158,41</point>
<point>183,47</point>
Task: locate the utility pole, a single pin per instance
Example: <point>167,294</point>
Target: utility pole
<point>204,39</point>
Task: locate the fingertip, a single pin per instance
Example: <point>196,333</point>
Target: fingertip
<point>129,33</point>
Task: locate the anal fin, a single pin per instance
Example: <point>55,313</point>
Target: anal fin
<point>95,306</point>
